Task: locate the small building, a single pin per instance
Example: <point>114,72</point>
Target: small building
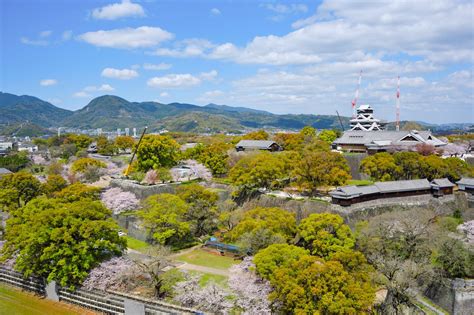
<point>28,147</point>
<point>466,184</point>
<point>441,187</point>
<point>92,148</point>
<point>348,195</point>
<point>4,171</point>
<point>382,141</point>
<point>267,145</point>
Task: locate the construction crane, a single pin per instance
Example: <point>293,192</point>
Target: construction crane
<point>398,105</point>
<point>129,167</point>
<point>340,121</point>
<point>354,101</point>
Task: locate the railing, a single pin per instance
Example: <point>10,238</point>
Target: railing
<point>104,302</point>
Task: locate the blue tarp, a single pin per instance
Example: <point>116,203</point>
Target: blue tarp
<point>222,246</point>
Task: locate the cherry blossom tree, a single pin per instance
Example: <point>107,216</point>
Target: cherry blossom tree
<point>455,149</point>
<point>212,298</point>
<point>113,274</point>
<point>119,201</point>
<point>151,177</point>
<point>251,291</point>
<point>199,170</point>
<point>467,228</point>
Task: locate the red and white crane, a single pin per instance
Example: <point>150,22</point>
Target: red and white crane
<point>398,104</point>
<point>354,101</point>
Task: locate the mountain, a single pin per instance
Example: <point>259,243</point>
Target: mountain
<point>110,112</point>
<point>24,108</point>
<point>24,129</point>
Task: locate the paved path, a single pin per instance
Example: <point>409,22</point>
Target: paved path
<point>215,271</point>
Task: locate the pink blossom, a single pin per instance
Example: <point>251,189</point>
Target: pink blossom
<point>118,200</point>
<point>110,274</point>
<point>251,291</point>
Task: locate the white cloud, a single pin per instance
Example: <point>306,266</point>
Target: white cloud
<point>286,9</point>
<point>102,88</point>
<point>160,66</point>
<point>209,76</point>
<point>127,38</point>
<point>174,81</point>
<point>164,94</point>
<point>67,35</point>
<point>38,42</point>
<point>48,82</point>
<point>118,10</point>
<point>81,94</point>
<point>194,47</point>
<point>214,96</point>
<point>122,74</point>
<point>45,34</point>
<point>215,11</point>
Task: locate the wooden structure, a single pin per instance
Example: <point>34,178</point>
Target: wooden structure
<point>348,195</point>
<point>266,145</point>
<point>441,187</point>
<point>466,184</point>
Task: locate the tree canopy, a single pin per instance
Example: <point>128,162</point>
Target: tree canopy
<point>22,187</point>
<point>61,241</point>
<point>163,216</point>
<point>157,151</point>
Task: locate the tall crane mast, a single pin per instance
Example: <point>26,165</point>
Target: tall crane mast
<point>129,167</point>
<point>354,101</point>
<point>398,105</point>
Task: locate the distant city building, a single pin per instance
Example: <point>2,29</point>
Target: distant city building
<point>127,131</point>
<point>119,131</point>
<point>99,131</point>
<point>365,120</point>
<point>28,147</point>
<point>266,145</point>
<point>383,140</point>
<point>134,132</point>
<point>7,146</point>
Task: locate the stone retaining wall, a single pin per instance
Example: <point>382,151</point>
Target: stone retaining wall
<point>456,296</point>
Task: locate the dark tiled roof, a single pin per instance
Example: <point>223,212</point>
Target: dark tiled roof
<point>442,182</point>
<point>466,181</point>
<point>255,144</point>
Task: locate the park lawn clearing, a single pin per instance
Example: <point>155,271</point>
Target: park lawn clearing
<point>137,245</point>
<point>207,259</point>
<point>15,301</point>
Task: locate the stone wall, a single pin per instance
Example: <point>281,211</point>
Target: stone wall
<point>356,212</point>
<point>456,296</point>
<point>353,160</point>
<point>142,191</point>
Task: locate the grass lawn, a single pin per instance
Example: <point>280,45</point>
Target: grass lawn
<point>15,301</point>
<point>360,182</point>
<point>135,244</point>
<point>204,258</point>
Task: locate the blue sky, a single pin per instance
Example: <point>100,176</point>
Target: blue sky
<point>279,56</point>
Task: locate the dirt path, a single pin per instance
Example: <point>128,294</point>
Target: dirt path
<point>215,271</point>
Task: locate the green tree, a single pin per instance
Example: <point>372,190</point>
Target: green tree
<point>432,167</point>
<point>409,165</point>
<point>76,192</point>
<point>380,166</point>
<point>80,141</point>
<point>202,212</point>
<point>54,183</point>
<point>308,131</point>
<point>26,186</point>
<point>311,285</point>
<point>455,259</point>
<point>9,199</point>
<point>328,136</point>
<point>256,135</point>
<point>106,147</point>
<point>457,168</point>
<point>325,234</point>
<point>81,165</point>
<point>157,151</point>
<point>276,220</point>
<point>260,170</point>
<point>14,162</point>
<point>163,216</point>
<point>290,141</point>
<point>124,142</point>
<point>61,241</point>
<point>277,256</point>
<point>213,156</point>
<point>317,169</point>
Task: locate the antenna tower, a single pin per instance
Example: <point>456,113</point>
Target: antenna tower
<point>398,104</point>
<point>354,101</point>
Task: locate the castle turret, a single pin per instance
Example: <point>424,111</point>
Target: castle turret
<point>365,120</point>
